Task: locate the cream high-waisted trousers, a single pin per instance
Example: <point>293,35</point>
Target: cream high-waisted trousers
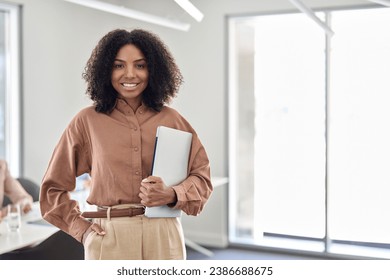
<point>136,238</point>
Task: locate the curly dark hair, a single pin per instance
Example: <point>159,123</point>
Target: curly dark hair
<point>165,77</point>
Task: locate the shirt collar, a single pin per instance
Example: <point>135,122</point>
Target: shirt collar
<point>126,109</point>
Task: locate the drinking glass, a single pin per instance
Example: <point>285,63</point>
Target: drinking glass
<point>14,220</point>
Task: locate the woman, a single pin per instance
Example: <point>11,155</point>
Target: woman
<point>131,77</point>
<point>11,188</point>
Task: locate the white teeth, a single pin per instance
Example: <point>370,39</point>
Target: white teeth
<point>129,85</point>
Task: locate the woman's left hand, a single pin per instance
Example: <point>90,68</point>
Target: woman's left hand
<point>154,192</point>
<point>26,204</point>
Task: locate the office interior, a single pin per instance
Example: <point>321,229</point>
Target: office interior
<point>56,40</point>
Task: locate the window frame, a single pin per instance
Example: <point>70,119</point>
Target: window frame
<point>13,99</point>
<point>323,247</point>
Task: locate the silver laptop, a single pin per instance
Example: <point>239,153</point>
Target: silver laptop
<point>170,162</point>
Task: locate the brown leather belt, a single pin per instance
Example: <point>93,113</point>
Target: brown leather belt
<point>114,213</point>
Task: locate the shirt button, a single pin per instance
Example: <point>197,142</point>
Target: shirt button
<point>140,111</point>
<point>135,129</point>
<point>136,149</point>
<point>137,172</point>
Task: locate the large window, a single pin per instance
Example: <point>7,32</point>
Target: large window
<point>309,132</point>
<point>10,145</point>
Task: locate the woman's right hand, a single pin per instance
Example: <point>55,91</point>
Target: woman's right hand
<point>94,227</point>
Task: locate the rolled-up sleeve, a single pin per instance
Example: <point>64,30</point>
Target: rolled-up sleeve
<point>69,160</point>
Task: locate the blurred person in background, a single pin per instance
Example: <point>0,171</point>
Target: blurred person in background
<point>11,188</point>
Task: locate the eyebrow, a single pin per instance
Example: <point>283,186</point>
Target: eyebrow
<point>137,60</point>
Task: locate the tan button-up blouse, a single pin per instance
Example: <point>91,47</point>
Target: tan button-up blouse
<point>116,149</point>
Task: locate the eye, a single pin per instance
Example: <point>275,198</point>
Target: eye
<point>140,65</point>
<point>118,66</point>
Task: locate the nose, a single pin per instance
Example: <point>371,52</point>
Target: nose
<point>129,72</point>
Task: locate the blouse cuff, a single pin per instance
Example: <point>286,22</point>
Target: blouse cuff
<point>79,227</point>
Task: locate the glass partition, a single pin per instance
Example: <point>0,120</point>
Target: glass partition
<point>10,119</point>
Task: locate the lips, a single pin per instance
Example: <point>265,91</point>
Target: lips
<point>129,85</point>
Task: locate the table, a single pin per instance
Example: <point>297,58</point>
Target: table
<point>28,234</point>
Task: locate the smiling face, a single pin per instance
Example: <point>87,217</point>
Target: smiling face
<point>130,75</point>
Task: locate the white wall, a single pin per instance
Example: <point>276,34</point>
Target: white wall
<point>58,38</point>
